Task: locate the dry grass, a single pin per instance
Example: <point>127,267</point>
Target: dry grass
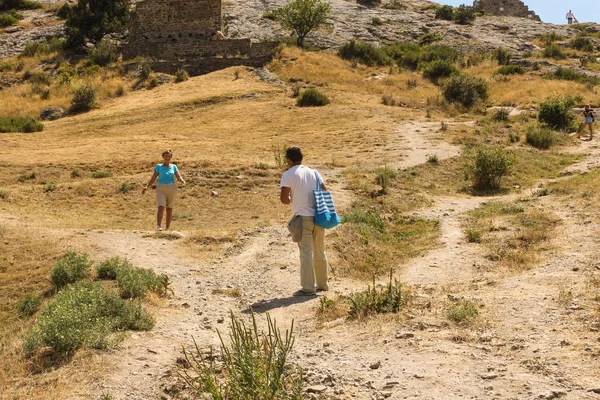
<point>516,235</point>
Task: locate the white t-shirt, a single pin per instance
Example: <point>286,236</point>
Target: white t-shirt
<point>302,181</point>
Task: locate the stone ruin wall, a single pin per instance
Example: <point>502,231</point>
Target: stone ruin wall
<point>176,34</point>
<point>511,8</point>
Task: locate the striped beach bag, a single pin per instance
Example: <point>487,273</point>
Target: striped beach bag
<point>325,215</point>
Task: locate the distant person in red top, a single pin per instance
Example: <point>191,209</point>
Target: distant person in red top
<point>570,17</point>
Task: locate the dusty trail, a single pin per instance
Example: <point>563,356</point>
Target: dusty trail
<point>529,348</point>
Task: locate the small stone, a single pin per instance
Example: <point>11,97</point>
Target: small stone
<point>375,365</point>
<point>404,335</point>
<point>214,193</point>
<point>316,389</point>
<point>488,376</point>
<point>220,320</point>
<point>595,390</point>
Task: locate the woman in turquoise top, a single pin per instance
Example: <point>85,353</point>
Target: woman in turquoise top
<point>166,189</point>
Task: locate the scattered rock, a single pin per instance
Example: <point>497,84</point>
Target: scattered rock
<point>375,365</point>
<point>316,389</point>
<point>404,335</point>
<point>488,376</point>
<point>52,113</point>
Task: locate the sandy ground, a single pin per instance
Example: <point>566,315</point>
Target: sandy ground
<point>527,347</point>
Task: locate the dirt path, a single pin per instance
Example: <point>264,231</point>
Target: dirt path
<point>529,347</point>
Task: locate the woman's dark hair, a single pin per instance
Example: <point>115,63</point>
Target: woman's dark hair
<point>294,153</point>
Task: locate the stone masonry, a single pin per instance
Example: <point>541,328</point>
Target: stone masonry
<point>511,8</point>
<point>177,34</point>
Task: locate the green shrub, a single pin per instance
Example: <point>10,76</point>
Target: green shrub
<point>445,13</point>
<point>64,11</point>
<point>473,235</point>
<point>556,112</point>
<point>70,268</point>
<point>85,315</point>
<point>540,137</point>
<point>465,89</point>
<point>110,268</point>
<point>502,56</point>
<point>10,19</point>
<point>554,51</point>
<point>181,75</point>
<point>367,217</point>
<point>377,21</point>
<point>582,43</point>
<point>39,78</point>
<point>3,194</point>
<point>439,52</point>
<point>252,365</point>
<point>27,177</point>
<point>429,38</point>
<point>84,98</point>
<point>312,98</point>
<point>383,176</point>
<point>29,305</point>
<point>433,159</point>
<point>464,15</point>
<point>501,115</point>
<point>137,282</point>
<point>101,174</point>
<point>49,187</point>
<point>104,53</point>
<point>463,311</point>
<point>488,166</point>
<point>75,173</point>
<point>569,74</point>
<point>378,300</point>
<point>510,70</point>
<point>550,37</point>
<point>435,70</point>
<point>364,53</point>
<point>20,124</point>
<point>33,49</point>
<point>406,55</point>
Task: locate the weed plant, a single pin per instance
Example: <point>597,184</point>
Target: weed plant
<point>439,52</point>
<point>582,43</point>
<point>85,315</point>
<point>254,365</point>
<point>181,75</point>
<point>383,176</point>
<point>3,194</point>
<point>463,312</point>
<point>49,187</point>
<point>502,56</point>
<point>554,51</point>
<point>279,155</point>
<point>312,98</point>
<point>70,268</point>
<point>390,298</point>
<point>488,166</point>
<point>29,305</point>
<point>540,137</point>
<point>20,124</point>
<point>433,159</point>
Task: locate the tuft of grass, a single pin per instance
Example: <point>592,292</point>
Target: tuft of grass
<point>101,174</point>
<point>84,315</point>
<point>433,159</point>
<point>473,235</point>
<point>540,137</point>
<point>70,268</point>
<point>49,187</point>
<point>253,365</point>
<point>75,173</point>
<point>312,98</point>
<point>181,75</point>
<point>29,305</point>
<point>390,298</point>
<point>125,187</point>
<point>332,308</point>
<point>20,124</point>
<point>510,70</point>
<point>134,283</point>
<point>463,312</point>
<point>235,292</point>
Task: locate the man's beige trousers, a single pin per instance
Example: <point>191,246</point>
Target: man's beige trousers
<point>313,262</point>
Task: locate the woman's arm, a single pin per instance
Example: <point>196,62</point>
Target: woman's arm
<point>179,178</point>
<point>154,176</point>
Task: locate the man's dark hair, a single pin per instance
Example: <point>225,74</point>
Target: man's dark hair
<point>294,153</point>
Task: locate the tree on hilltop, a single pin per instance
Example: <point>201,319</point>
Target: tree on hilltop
<point>302,16</point>
<point>91,20</point>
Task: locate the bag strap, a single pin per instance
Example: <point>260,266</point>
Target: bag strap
<point>318,180</point>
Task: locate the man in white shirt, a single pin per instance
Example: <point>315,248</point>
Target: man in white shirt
<point>297,185</point>
<point>570,17</point>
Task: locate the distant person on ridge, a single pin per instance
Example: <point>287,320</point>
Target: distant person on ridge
<point>297,185</point>
<point>166,188</point>
<point>588,119</point>
<point>570,17</point>
<point>219,36</point>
